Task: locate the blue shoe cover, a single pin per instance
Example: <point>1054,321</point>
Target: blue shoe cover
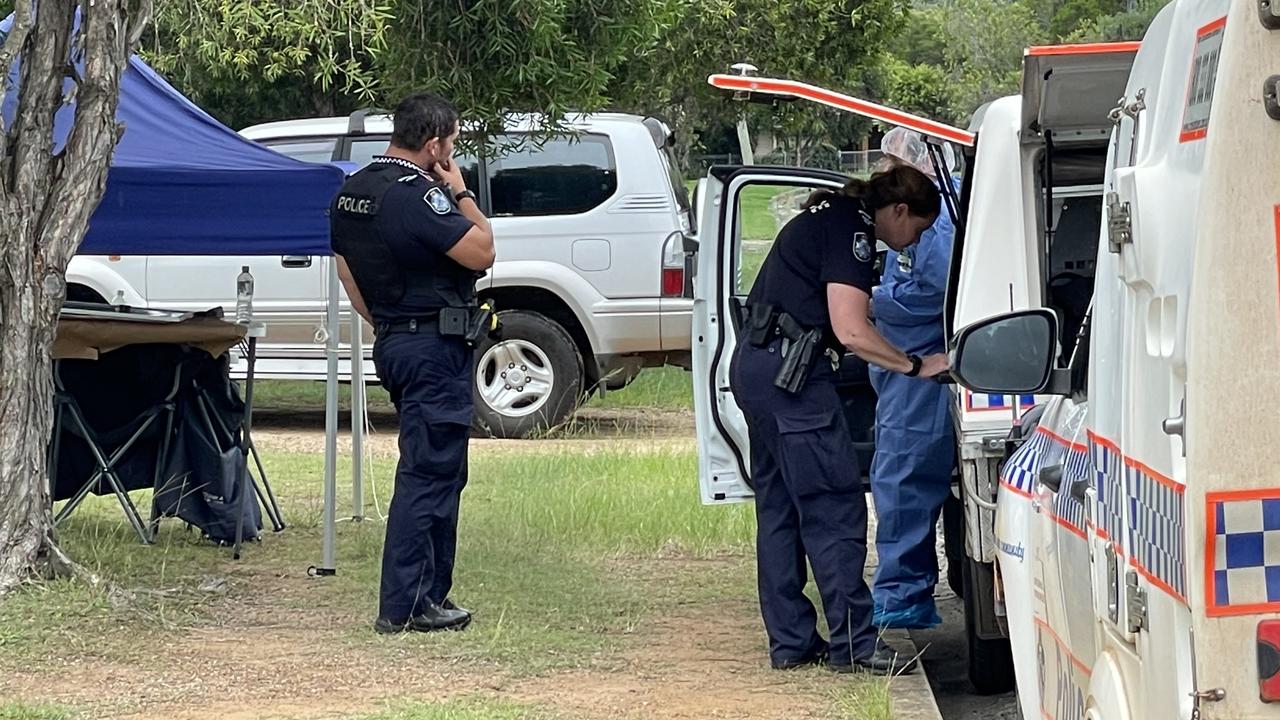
<point>921,616</point>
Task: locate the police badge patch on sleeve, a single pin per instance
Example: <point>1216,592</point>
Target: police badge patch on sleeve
<point>437,201</point>
<point>861,247</point>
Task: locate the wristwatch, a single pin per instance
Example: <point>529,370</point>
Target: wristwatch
<point>459,197</point>
<point>916,362</point>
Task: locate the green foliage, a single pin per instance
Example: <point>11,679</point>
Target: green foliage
<point>264,59</point>
<point>549,56</point>
<point>826,43</point>
<point>1123,25</point>
<point>957,55</point>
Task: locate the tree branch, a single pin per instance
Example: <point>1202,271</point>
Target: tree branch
<point>9,50</point>
<point>39,96</point>
<point>80,181</point>
<point>140,21</point>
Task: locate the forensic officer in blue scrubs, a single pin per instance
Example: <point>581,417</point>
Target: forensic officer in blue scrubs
<point>809,303</point>
<point>410,243</point>
<point>915,448</point>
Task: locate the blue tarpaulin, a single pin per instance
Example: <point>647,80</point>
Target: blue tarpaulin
<point>182,183</point>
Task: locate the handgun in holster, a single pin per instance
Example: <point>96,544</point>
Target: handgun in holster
<point>800,347</point>
<point>483,321</point>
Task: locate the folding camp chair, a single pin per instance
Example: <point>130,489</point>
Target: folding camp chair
<point>110,447</point>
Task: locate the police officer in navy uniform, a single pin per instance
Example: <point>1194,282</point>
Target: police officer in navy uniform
<point>816,283</point>
<point>410,243</point>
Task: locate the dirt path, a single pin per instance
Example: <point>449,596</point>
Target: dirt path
<point>261,660</point>
<point>592,429</point>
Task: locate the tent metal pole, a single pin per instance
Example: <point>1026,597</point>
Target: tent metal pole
<point>327,562</point>
<point>359,401</point>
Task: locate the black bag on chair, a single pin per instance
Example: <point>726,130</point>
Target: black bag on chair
<point>206,471</point>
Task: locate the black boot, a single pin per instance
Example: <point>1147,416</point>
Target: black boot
<point>432,618</point>
<point>816,656</point>
<point>884,661</point>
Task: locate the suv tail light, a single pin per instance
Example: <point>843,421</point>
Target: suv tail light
<point>1269,660</point>
<point>675,281</point>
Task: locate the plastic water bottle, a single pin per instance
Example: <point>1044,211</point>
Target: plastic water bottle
<point>244,297</point>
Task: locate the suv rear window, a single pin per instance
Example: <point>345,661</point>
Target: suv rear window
<point>362,152</point>
<point>564,176</point>
<point>314,150</point>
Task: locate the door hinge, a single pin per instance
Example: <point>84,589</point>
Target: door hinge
<point>1119,222</point>
<point>1269,14</point>
<point>1113,584</point>
<point>1135,602</point>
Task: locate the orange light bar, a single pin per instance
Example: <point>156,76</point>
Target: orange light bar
<point>1084,49</point>
<point>839,101</point>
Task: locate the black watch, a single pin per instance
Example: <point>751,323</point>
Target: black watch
<point>916,362</point>
<point>459,197</point>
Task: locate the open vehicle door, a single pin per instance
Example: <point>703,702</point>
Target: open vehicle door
<point>741,210</point>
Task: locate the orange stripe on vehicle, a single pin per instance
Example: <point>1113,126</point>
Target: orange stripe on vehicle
<point>1068,525</point>
<point>1083,49</point>
<point>1158,477</point>
<point>1014,489</point>
<point>1108,444</point>
<point>1040,622</point>
<point>840,101</point>
<point>1215,25</point>
<point>1210,520</point>
<point>1157,582</point>
<point>1062,441</point>
<point>1230,495</point>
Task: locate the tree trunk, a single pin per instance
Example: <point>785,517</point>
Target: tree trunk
<point>46,198</point>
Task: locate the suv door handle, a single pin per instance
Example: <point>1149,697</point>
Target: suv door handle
<point>295,261</point>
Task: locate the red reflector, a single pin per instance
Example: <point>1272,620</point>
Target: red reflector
<point>673,282</point>
<point>1269,660</point>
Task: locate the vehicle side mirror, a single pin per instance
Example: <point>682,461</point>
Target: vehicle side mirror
<point>1010,354</point>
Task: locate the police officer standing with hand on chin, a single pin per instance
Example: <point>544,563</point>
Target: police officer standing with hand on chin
<point>410,243</point>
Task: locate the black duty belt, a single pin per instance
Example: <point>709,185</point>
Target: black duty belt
<point>426,323</point>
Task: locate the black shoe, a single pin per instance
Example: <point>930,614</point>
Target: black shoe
<point>432,618</point>
<point>884,661</point>
<point>816,656</point>
<point>448,605</point>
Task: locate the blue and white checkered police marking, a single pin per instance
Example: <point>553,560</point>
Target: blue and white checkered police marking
<point>984,401</point>
<point>1107,466</point>
<point>1157,528</point>
<point>1245,553</point>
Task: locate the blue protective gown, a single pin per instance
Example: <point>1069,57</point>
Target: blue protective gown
<point>915,449</point>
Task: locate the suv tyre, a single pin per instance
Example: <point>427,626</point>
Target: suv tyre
<point>527,381</point>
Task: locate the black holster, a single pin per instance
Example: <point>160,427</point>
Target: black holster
<point>800,348</point>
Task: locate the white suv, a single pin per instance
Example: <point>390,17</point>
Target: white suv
<point>590,276</point>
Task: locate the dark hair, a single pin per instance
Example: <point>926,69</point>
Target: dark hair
<point>900,184</point>
<point>421,117</point>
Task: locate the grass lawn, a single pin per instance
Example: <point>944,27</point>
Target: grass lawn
<point>599,585</point>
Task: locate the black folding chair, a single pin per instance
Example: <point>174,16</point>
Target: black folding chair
<point>110,447</point>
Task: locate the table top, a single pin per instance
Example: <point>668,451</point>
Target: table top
<point>87,338</point>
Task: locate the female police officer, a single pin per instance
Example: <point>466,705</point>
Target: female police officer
<point>816,284</point>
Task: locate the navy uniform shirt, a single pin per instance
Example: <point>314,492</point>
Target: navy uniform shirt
<point>831,242</point>
<point>420,223</point>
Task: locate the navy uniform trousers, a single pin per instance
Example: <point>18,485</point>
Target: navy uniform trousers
<point>809,504</point>
<point>429,379</point>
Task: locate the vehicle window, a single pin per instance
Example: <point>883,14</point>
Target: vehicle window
<point>314,150</point>
<point>362,152</point>
<point>762,211</point>
<point>564,176</point>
